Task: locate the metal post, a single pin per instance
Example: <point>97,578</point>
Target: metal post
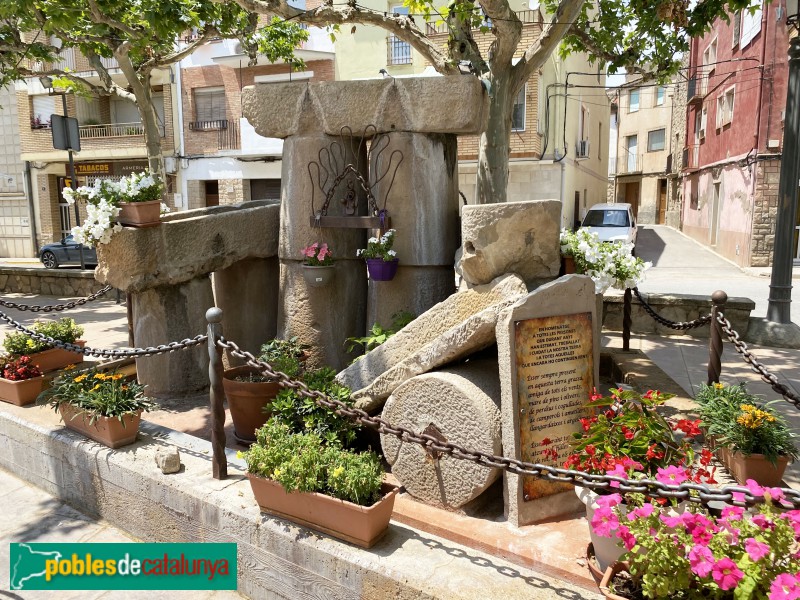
<point>626,319</point>
<point>780,286</point>
<point>217,394</point>
<point>74,184</point>
<point>718,300</point>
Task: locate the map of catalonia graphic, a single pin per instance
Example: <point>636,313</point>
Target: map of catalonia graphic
<point>29,565</point>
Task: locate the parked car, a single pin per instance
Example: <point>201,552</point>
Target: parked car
<point>611,222</point>
<point>66,252</point>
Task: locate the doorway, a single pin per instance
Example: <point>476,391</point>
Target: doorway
<point>715,213</point>
<point>212,192</point>
<point>632,196</point>
<point>662,202</point>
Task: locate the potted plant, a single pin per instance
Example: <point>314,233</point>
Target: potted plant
<point>318,267</point>
<point>381,260</point>
<point>21,382</point>
<point>742,553</point>
<point>250,394</point>
<point>626,436</point>
<point>755,441</point>
<point>45,357</point>
<point>105,407</point>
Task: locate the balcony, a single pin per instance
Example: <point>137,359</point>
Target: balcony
<point>628,164</point>
<point>691,157</point>
<point>73,61</point>
<point>525,16</point>
<point>208,125</point>
<point>697,88</point>
<point>228,137</point>
<point>112,130</point>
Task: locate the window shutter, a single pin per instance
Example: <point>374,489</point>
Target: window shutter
<point>43,107</point>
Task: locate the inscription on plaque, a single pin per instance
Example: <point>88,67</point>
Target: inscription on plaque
<point>555,375</point>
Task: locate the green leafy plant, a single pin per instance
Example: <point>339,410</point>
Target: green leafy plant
<point>317,255</point>
<point>379,248</point>
<point>64,330</point>
<point>99,394</point>
<point>284,355</point>
<point>378,335</point>
<point>737,420</point>
<point>304,462</point>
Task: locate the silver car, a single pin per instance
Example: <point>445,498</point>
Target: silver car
<point>611,222</point>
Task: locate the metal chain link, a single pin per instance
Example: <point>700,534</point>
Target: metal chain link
<point>680,325</point>
<point>748,357</point>
<point>104,353</point>
<point>56,307</point>
<point>702,493</point>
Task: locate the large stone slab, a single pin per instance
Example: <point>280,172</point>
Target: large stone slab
<point>548,356</point>
<point>419,104</point>
<point>187,246</point>
<point>453,329</point>
<point>459,405</point>
<point>511,237</point>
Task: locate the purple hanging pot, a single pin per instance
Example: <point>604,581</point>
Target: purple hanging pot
<point>380,270</point>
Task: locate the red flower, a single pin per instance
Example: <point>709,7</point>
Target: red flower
<point>590,449</point>
<point>690,428</point>
<point>594,396</point>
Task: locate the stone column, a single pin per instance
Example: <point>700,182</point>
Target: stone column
<point>322,317</point>
<point>165,314</point>
<point>423,206</point>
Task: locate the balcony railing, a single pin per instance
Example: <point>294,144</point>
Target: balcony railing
<point>228,138</point>
<point>691,156</point>
<point>113,130</point>
<point>70,60</point>
<point>697,87</point>
<point>398,51</point>
<point>525,16</point>
<point>208,125</point>
<point>629,163</point>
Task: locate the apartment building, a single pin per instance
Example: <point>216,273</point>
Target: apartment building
<point>222,160</point>
<point>736,96</point>
<point>643,124</point>
<point>559,142</point>
<point>111,135</point>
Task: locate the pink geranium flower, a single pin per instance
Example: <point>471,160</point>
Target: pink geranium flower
<point>701,561</point>
<point>755,549</point>
<point>785,587</point>
<point>672,475</point>
<point>604,521</point>
<point>726,574</point>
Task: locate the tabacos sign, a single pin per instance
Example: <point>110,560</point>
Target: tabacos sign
<point>132,566</point>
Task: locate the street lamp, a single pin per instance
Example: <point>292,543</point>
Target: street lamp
<point>780,285</point>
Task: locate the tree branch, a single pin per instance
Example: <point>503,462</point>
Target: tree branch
<point>507,29</point>
<point>207,35</point>
<point>99,90</point>
<point>631,59</point>
<point>99,17</point>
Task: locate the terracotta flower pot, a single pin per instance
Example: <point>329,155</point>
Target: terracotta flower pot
<point>359,525</point>
<point>109,431</point>
<point>605,583</point>
<point>318,276</point>
<point>247,401</point>
<point>758,468</point>
<point>591,562</point>
<point>56,358</point>
<point>22,392</point>
<point>569,264</point>
<point>140,214</point>
<point>380,270</point>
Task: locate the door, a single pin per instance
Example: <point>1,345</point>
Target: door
<point>64,209</point>
<point>212,193</point>
<point>576,211</point>
<point>632,196</point>
<point>715,213</point>
<point>662,201</point>
<point>632,149</point>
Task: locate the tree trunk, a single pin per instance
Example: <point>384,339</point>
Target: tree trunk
<point>495,141</point>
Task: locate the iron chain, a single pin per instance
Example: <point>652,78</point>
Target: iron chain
<point>680,325</point>
<point>105,353</point>
<point>56,307</point>
<point>702,493</point>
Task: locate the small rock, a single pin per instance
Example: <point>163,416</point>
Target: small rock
<point>168,460</point>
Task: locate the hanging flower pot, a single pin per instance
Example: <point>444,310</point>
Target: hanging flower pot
<point>140,214</point>
<point>318,276</point>
<point>382,270</point>
<point>318,264</point>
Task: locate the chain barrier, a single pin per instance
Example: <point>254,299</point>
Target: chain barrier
<point>693,492</point>
<point>56,307</point>
<point>748,357</point>
<point>679,325</point>
<point>105,353</point>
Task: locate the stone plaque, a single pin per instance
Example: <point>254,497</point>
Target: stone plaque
<point>555,374</point>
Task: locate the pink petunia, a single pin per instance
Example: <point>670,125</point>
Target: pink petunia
<point>608,501</point>
<point>755,549</point>
<point>785,587</point>
<point>672,475</point>
<point>726,574</point>
<point>701,561</point>
<point>628,539</point>
<point>617,471</point>
<point>604,521</point>
<point>644,511</point>
<point>671,522</point>
<point>763,522</point>
<point>732,513</point>
<point>754,488</point>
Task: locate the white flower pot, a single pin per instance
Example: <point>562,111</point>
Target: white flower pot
<point>606,550</point>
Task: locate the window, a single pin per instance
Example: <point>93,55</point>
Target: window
<point>398,51</point>
<point>518,111</point>
<point>633,101</point>
<point>737,28</point>
<point>41,108</point>
<point>725,108</point>
<point>655,140</point>
<point>703,122</point>
<point>751,25</point>
<point>661,92</point>
<point>583,132</point>
<point>209,109</point>
<point>710,56</point>
<point>541,100</point>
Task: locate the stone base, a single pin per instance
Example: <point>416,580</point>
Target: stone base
<point>413,289</point>
<point>549,507</point>
<point>768,333</point>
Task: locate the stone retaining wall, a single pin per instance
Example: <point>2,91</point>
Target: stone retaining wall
<point>50,282</point>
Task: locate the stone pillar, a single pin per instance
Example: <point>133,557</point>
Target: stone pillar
<point>247,293</point>
<point>165,314</point>
<point>423,206</point>
<point>322,317</point>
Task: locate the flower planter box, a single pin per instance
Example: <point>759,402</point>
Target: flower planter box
<point>359,525</point>
<point>20,393</point>
<point>108,431</point>
<point>318,276</point>
<point>247,401</point>
<point>140,214</point>
<point>56,358</point>
<point>755,467</point>
<point>380,270</point>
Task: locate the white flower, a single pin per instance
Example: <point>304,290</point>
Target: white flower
<point>359,252</point>
<point>164,209</point>
<point>392,253</point>
<point>373,240</point>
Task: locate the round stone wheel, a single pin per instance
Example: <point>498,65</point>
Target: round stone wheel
<point>460,405</point>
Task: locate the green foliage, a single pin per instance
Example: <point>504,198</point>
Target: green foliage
<point>303,462</point>
<point>738,420</point>
<point>98,393</point>
<point>303,415</point>
<point>379,247</point>
<point>64,330</point>
<point>280,39</point>
<point>284,355</point>
<point>378,335</point>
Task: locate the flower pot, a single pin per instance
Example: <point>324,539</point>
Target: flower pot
<point>591,562</point>
<point>57,358</point>
<point>758,468</point>
<point>380,270</point>
<point>109,431</point>
<point>318,276</point>
<point>247,401</point>
<point>359,525</point>
<point>606,550</point>
<point>140,214</point>
<point>22,392</point>
<point>605,583</point>
<point>569,264</point>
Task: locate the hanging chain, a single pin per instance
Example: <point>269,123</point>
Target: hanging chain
<point>680,325</point>
<point>56,307</point>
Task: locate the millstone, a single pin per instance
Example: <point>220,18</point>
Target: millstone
<point>459,405</point>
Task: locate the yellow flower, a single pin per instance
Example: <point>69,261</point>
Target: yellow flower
<point>276,473</point>
<point>719,386</point>
<point>70,367</point>
<point>337,472</point>
<point>239,454</point>
<point>100,376</point>
<point>116,377</point>
<point>96,387</point>
<point>747,407</point>
<point>30,343</point>
<point>79,378</point>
